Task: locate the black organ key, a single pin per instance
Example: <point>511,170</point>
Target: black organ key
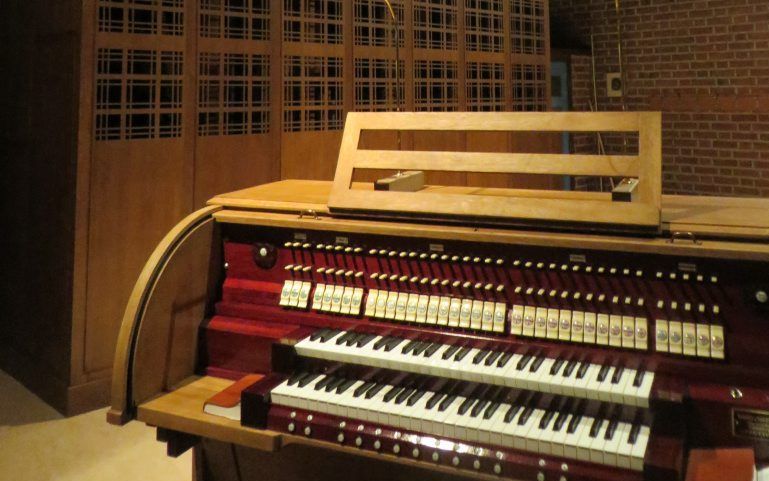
<point>432,349</point>
<point>493,407</point>
<point>617,376</point>
<point>569,369</point>
<point>367,338</point>
<point>536,364</point>
<point>479,407</point>
<point>512,412</point>
<point>525,415</point>
<point>447,402</point>
<point>611,429</point>
<point>582,370</point>
<point>318,334</point>
<point>420,348</point>
<point>324,382</point>
<point>463,408</point>
<point>345,386</point>
<point>354,339</point>
<point>504,359</point>
<point>596,427</point>
<point>307,380</point>
<point>557,365</point>
<point>574,423</point>
<point>634,431</point>
<point>434,400</point>
<point>409,346</point>
<point>548,416</point>
<point>374,390</point>
<point>335,384</point>
<point>415,397</point>
<point>330,333</point>
<point>450,352</point>
<point>462,353</point>
<point>480,355</point>
<point>360,390</point>
<point>403,395</point>
<point>390,395</point>
<point>492,358</point>
<point>394,342</point>
<point>602,373</point>
<point>344,337</point>
<point>296,377</point>
<point>560,420</point>
<point>524,361</point>
<point>639,378</point>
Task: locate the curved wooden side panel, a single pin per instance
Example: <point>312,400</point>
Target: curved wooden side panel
<point>157,339</point>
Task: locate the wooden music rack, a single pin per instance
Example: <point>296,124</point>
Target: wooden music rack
<point>512,206</point>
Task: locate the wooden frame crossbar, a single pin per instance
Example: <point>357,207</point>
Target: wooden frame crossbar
<point>498,204</point>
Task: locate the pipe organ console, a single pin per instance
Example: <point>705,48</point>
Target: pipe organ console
<point>484,350</point>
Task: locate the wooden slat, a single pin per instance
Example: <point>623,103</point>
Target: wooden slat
<point>481,162</point>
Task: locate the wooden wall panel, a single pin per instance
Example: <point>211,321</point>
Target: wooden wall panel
<point>138,192</point>
<point>309,155</point>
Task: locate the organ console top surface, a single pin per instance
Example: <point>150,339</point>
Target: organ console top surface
<point>459,331</point>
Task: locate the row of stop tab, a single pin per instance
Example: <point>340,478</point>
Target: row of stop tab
<point>620,331</point>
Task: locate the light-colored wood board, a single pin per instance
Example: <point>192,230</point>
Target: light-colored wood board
<point>182,410</point>
<point>224,163</point>
<point>579,242</point>
<point>133,179</point>
<point>309,155</point>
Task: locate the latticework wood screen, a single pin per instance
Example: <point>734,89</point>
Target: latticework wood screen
<point>270,69</point>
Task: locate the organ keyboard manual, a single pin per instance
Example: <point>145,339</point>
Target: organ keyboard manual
<point>456,332</point>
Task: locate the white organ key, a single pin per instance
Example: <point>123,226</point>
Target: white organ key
<point>597,443</point>
<point>703,340</point>
<point>615,330</point>
<point>432,310</point>
<point>516,320</point>
<point>317,297</point>
<point>285,293</point>
<point>411,307</point>
<point>552,324</point>
<point>304,295</point>
<point>400,306</point>
<point>357,299</point>
<point>344,308</point>
<point>564,329</point>
<point>717,341</point>
<point>689,332</point>
<point>422,303</point>
<point>540,322</point>
<point>390,306</point>
<point>675,337</point>
<point>487,316</point>
<point>476,314</point>
<point>602,329</point>
<point>498,324</point>
<point>638,452</point>
<point>590,326</point>
<point>529,321</point>
<point>466,308</point>
<point>336,300</point>
<point>628,332</point>
<point>577,326</point>
<point>641,333</point>
<point>455,307</point>
<point>661,336</point>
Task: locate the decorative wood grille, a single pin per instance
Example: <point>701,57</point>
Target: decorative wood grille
<point>484,26</point>
<point>485,86</point>
<point>312,93</point>
<point>138,94</point>
<point>165,17</point>
<point>373,25</point>
<point>235,19</point>
<point>315,21</point>
<point>527,26</point>
<point>435,86</point>
<point>529,88</point>
<point>375,84</point>
<point>233,94</point>
<point>435,24</point>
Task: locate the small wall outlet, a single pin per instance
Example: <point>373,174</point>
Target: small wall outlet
<point>614,84</point>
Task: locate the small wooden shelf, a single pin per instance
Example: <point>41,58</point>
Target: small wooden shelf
<point>182,410</point>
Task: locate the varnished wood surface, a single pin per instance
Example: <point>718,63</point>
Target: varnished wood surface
<point>707,216</point>
<point>155,311</point>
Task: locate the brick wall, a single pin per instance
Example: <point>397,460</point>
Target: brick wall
<point>704,64</point>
